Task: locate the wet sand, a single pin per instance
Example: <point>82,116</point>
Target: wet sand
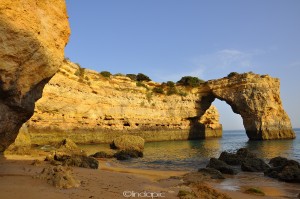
<point>17,182</point>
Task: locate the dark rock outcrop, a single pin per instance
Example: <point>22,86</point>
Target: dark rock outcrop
<point>33,36</point>
<point>77,161</point>
<point>221,166</point>
<point>213,173</point>
<point>236,158</point>
<point>102,154</point>
<point>284,170</point>
<point>127,154</point>
<point>254,165</point>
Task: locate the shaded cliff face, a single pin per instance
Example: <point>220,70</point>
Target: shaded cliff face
<point>85,106</point>
<point>257,99</point>
<point>33,35</point>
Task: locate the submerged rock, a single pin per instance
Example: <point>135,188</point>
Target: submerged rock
<point>128,142</point>
<point>221,166</point>
<point>102,154</point>
<point>127,154</point>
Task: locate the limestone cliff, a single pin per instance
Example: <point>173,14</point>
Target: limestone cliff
<point>85,106</point>
<point>33,35</point>
<point>257,99</point>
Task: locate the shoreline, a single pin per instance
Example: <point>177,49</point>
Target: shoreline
<point>112,181</point>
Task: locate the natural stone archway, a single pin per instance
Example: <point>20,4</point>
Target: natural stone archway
<point>33,35</point>
<point>257,99</point>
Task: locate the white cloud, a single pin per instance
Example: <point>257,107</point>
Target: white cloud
<point>216,64</point>
<point>225,58</point>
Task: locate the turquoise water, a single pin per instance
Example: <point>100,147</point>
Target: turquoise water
<point>190,155</point>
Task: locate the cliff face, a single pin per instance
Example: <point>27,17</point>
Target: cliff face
<point>257,99</point>
<point>85,106</point>
<point>33,35</point>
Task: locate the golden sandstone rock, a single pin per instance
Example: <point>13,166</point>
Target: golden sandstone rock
<point>88,108</point>
<point>257,99</point>
<point>83,105</point>
<point>33,35</point>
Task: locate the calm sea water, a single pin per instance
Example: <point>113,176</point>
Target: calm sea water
<point>190,155</point>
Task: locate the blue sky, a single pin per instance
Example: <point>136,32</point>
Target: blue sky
<point>168,39</point>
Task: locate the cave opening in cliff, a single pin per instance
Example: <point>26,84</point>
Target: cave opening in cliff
<point>228,119</point>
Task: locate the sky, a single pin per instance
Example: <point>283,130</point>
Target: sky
<point>168,39</point>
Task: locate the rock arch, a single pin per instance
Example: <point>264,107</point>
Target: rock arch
<point>257,99</point>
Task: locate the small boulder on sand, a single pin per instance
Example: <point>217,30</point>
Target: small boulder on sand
<point>128,142</point>
<point>58,176</point>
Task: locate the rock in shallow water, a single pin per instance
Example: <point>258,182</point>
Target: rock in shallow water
<point>127,154</point>
<point>128,142</point>
<point>102,154</point>
<point>254,165</point>
<point>284,169</point>
<point>221,166</point>
<point>213,173</point>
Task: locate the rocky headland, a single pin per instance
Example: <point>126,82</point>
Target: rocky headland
<point>88,107</point>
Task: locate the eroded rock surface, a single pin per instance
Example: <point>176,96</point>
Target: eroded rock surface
<point>257,99</point>
<point>83,105</point>
<point>33,35</point>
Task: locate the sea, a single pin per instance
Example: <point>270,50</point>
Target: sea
<point>189,155</point>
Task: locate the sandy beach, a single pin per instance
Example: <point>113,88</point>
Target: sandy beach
<point>17,180</point>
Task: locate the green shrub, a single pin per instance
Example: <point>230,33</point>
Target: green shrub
<point>140,84</point>
<point>79,72</point>
<point>170,84</point>
<point>190,81</point>
<point>119,74</point>
<point>159,90</point>
<point>142,77</point>
<point>172,91</point>
<point>105,73</point>
<point>232,74</point>
<point>182,93</point>
<point>131,76</point>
